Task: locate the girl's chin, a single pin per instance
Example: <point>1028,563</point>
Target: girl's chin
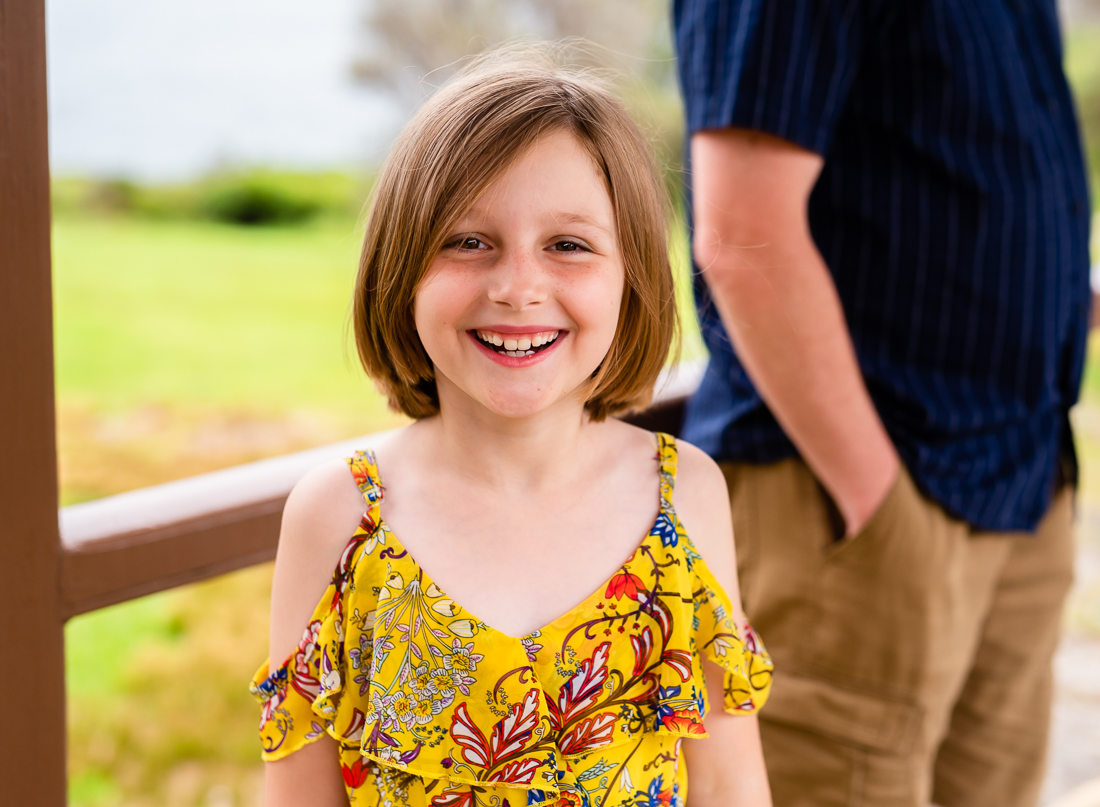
<point>524,409</point>
<point>513,399</point>
<point>521,406</point>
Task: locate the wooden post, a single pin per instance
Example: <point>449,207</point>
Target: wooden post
<point>32,731</point>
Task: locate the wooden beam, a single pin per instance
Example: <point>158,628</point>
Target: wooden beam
<point>32,732</point>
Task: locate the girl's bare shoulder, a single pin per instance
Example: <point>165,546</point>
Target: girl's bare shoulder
<point>320,516</point>
<point>325,507</point>
<point>700,490</point>
<point>698,477</point>
<point>325,504</point>
<point>702,504</point>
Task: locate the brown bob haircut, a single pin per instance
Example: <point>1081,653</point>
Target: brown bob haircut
<point>463,138</point>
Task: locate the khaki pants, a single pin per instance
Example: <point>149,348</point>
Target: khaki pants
<point>913,660</point>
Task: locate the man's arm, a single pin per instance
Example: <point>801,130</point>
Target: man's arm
<point>780,307</point>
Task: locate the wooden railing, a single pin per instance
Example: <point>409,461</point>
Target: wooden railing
<point>57,564</point>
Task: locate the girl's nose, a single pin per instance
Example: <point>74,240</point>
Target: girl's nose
<point>518,280</point>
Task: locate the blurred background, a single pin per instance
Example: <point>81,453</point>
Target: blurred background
<point>210,162</point>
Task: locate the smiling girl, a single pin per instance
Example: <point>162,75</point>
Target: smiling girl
<point>517,614</point>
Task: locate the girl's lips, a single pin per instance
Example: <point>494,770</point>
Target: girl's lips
<point>516,361</point>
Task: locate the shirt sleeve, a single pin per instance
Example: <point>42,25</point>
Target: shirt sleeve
<point>778,66</point>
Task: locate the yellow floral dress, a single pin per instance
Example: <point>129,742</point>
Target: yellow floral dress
<point>431,706</point>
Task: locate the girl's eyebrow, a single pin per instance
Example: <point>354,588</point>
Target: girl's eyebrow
<point>579,218</point>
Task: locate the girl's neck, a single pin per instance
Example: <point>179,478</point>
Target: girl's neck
<point>510,455</point>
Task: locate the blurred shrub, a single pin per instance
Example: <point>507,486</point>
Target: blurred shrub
<point>271,197</point>
<point>254,201</point>
<point>253,197</point>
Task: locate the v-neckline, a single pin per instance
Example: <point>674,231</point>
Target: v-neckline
<point>426,579</point>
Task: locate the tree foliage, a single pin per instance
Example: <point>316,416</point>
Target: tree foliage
<point>410,47</point>
<point>411,42</point>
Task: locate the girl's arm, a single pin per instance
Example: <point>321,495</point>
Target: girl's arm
<point>321,514</point>
<point>726,768</point>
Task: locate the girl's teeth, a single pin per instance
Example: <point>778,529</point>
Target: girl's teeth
<point>520,346</point>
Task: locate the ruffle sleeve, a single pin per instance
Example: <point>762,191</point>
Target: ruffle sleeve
<point>299,699</point>
<point>748,668</point>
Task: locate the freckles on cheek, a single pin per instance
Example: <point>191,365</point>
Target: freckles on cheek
<point>453,285</point>
<point>440,301</point>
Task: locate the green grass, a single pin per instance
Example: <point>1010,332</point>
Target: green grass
<point>1082,63</point>
<point>99,648</point>
<point>101,642</point>
<point>159,712</point>
<point>205,314</point>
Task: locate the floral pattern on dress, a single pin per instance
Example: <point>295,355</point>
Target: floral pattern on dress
<point>431,706</point>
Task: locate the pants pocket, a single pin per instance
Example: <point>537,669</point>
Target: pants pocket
<point>880,520</point>
<point>879,595</point>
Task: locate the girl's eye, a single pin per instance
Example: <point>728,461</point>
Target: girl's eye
<point>569,246</point>
<point>466,243</point>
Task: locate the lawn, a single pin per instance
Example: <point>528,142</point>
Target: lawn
<point>202,315</point>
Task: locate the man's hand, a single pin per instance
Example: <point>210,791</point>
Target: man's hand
<point>779,305</point>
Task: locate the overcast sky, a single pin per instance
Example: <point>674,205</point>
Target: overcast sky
<point>165,89</point>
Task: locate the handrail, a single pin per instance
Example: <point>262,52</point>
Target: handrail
<point>125,546</point>
<point>136,543</point>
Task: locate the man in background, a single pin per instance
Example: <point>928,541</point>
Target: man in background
<point>890,232</point>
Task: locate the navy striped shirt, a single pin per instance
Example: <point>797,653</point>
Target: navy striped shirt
<point>952,211</point>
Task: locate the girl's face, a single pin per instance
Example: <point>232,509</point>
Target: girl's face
<point>521,304</point>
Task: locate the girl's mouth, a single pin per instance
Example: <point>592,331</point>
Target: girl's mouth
<point>517,345</point>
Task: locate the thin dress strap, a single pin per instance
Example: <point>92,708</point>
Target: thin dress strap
<point>666,457</point>
<point>364,469</point>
